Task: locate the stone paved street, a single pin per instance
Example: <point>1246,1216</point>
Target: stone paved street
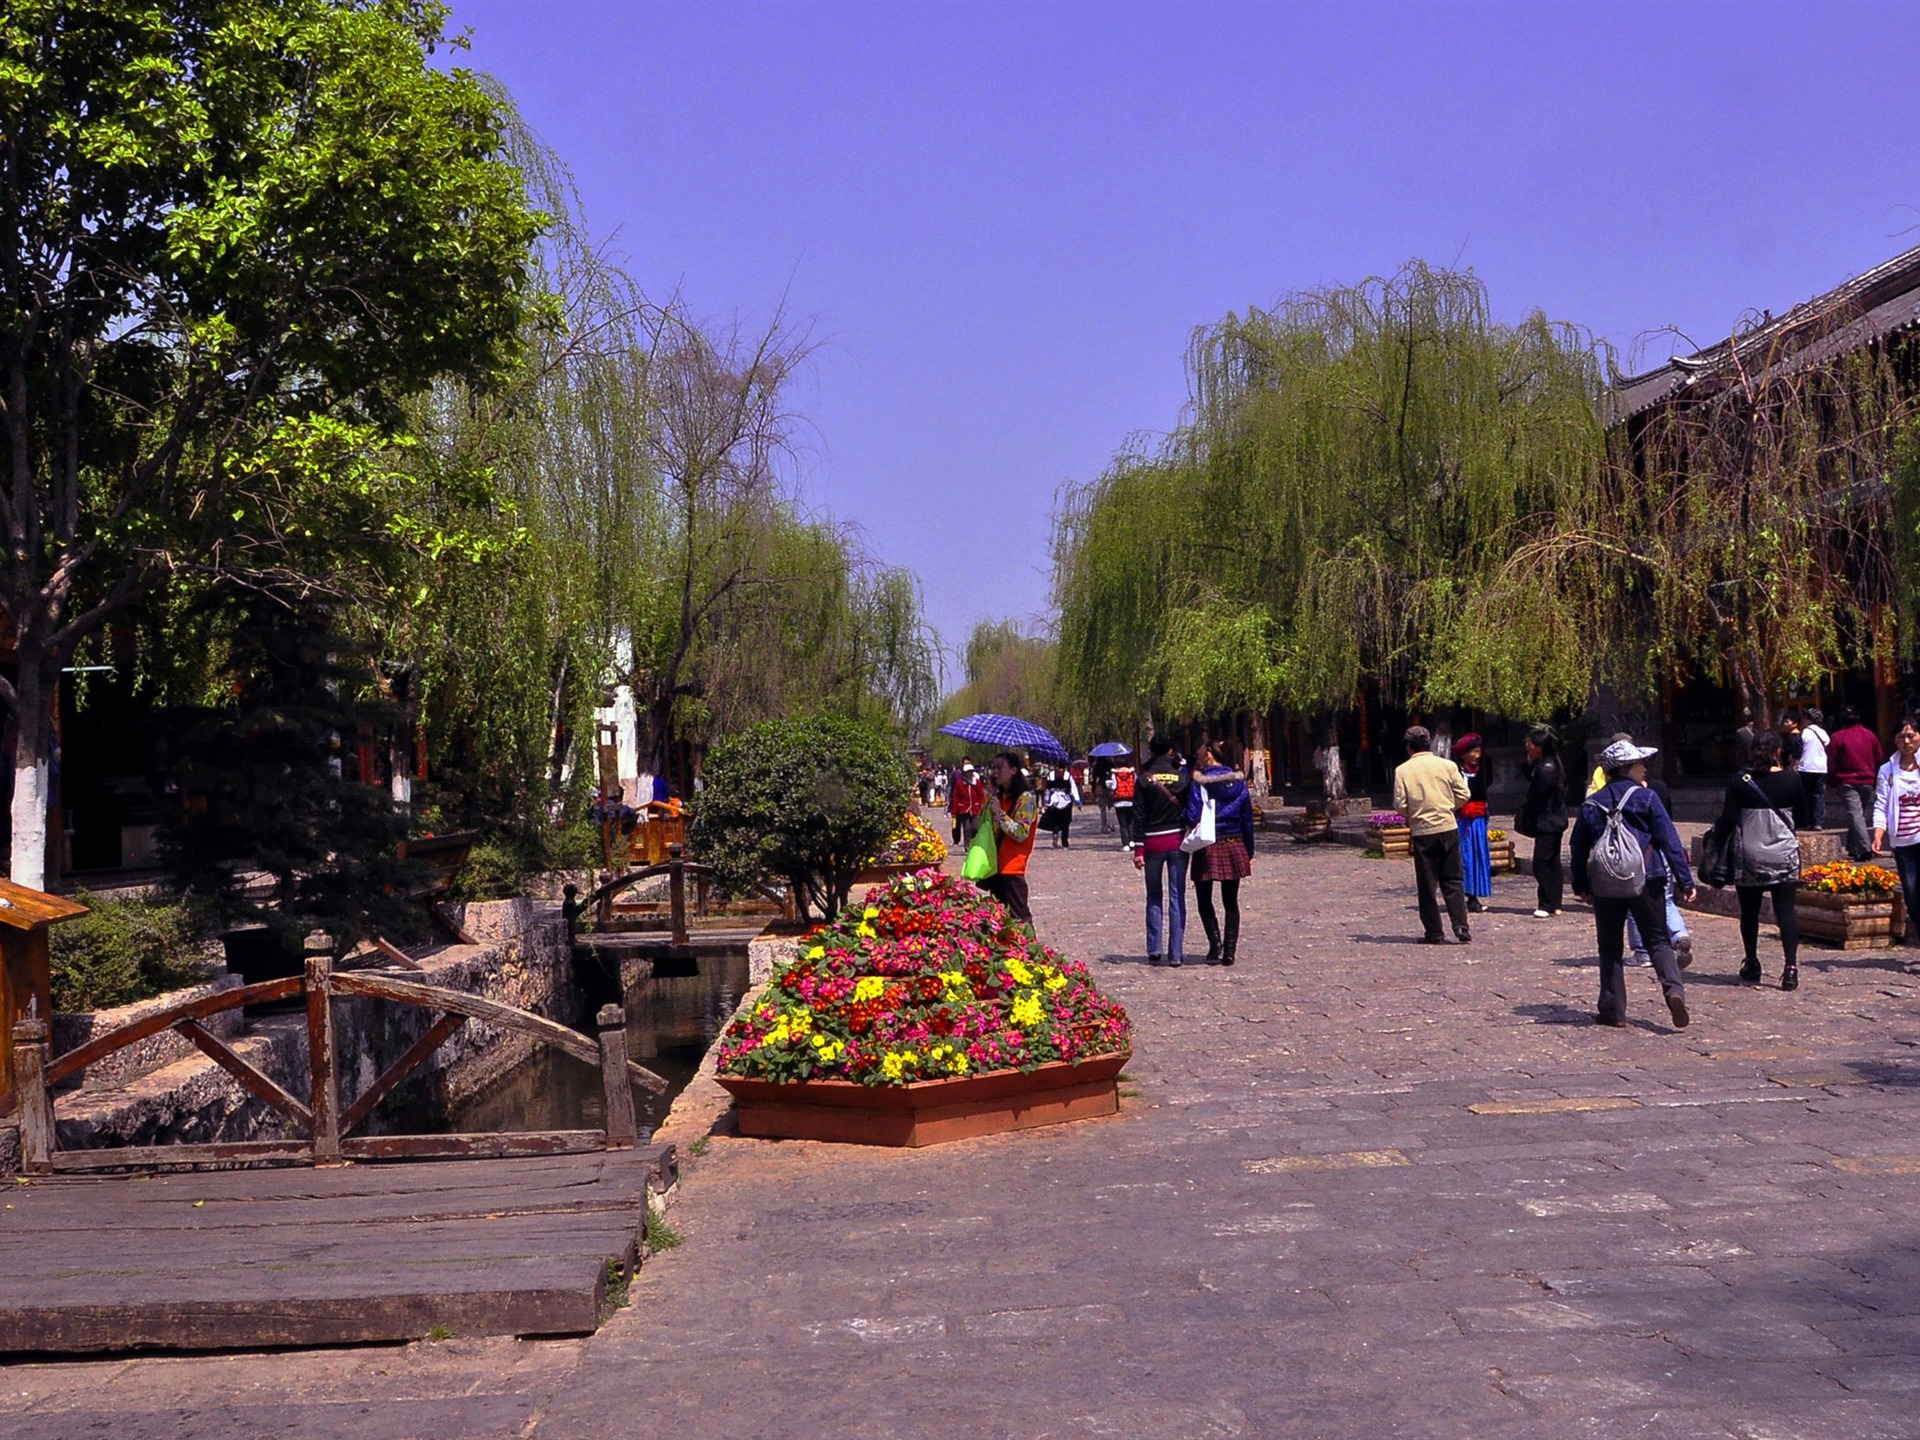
<point>1359,1187</point>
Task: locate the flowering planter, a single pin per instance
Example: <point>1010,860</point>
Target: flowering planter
<point>1851,922</point>
<point>1393,841</point>
<point>881,874</point>
<point>927,1112</point>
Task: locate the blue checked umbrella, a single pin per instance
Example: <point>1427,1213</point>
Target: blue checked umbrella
<point>1008,733</point>
<point>1110,750</point>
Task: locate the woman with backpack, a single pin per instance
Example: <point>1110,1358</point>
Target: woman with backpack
<point>1896,813</point>
<point>1768,804</point>
<point>1625,850</point>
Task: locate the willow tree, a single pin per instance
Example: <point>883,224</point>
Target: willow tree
<point>1006,671</point>
<point>1750,519</point>
<point>1356,468</point>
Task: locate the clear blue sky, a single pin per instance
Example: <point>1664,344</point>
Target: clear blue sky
<point>1005,220</point>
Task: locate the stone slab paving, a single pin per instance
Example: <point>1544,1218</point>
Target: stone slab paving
<point>1358,1187</point>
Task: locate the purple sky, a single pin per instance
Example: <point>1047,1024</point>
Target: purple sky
<point>1004,221</point>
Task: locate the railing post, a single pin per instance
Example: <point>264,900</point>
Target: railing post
<point>325,1099</point>
<point>677,893</point>
<point>36,1105</point>
<point>621,1131</point>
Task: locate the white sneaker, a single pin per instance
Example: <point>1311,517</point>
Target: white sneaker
<point>1640,960</point>
<point>1543,914</point>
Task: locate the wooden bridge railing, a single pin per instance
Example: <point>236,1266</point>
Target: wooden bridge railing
<point>326,1139</point>
<point>678,871</point>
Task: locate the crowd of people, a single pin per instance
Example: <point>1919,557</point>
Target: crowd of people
<point>1193,823</point>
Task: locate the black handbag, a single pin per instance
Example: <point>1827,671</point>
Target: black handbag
<point>1717,853</point>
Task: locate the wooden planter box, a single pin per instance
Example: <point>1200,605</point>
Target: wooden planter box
<point>1312,827</point>
<point>928,1111</point>
<point>1502,854</point>
<point>1851,922</point>
<point>881,874</point>
<point>1393,841</point>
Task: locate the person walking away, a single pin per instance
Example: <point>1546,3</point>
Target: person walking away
<point>969,798</point>
<point>1102,777</point>
<point>1769,803</point>
<point>1428,791</point>
<point>1743,738</point>
<point>1896,813</point>
<point>1160,806</point>
<point>1853,764</point>
<point>1125,780</point>
<point>1814,740</point>
<point>1229,860</point>
<point>1057,802</point>
<point>1476,852</point>
<point>1543,819</point>
<point>1645,827</point>
<point>1014,813</point>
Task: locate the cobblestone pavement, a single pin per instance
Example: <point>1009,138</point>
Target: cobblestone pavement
<point>1359,1187</point>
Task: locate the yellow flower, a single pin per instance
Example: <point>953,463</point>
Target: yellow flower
<point>817,952</point>
<point>868,987</point>
<point>1020,973</point>
<point>870,913</point>
<point>1026,1009</point>
<point>865,931</point>
<point>959,1063</point>
<point>892,1066</point>
<point>1056,981</point>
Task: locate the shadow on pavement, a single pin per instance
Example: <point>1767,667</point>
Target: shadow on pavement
<point>1554,1014</point>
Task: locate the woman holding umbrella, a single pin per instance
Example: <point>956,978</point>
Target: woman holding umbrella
<point>1015,816</point>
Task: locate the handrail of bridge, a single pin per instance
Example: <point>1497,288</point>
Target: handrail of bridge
<point>676,869</point>
<point>326,1125</point>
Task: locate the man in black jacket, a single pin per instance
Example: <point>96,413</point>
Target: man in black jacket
<point>1544,817</point>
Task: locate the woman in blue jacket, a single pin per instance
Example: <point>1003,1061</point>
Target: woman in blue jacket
<point>1647,821</point>
<point>1229,860</point>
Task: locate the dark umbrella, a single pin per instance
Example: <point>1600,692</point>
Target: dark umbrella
<point>1110,750</point>
<point>1007,732</point>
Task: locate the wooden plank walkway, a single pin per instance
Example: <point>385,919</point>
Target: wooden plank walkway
<point>297,1256</point>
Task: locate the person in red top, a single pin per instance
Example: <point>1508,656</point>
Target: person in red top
<point>1853,760</point>
<point>1014,812</point>
<point>1124,780</point>
<point>965,803</point>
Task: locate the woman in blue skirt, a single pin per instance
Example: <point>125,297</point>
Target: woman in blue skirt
<point>1476,856</point>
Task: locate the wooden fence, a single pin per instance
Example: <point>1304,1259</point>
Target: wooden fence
<point>325,1127</point>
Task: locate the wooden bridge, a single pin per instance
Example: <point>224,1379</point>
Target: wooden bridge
<point>310,1239</point>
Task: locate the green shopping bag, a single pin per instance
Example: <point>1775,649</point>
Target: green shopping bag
<point>983,856</point>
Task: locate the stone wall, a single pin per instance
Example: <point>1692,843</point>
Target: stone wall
<point>143,1056</point>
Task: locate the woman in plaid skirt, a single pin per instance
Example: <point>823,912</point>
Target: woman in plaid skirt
<point>1229,860</point>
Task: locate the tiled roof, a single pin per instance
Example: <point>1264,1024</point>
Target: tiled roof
<point>1879,303</point>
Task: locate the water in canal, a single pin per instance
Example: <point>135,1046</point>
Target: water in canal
<point>671,1022</point>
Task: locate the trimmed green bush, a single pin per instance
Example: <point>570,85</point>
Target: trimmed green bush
<point>121,951</point>
<point>808,800</point>
<point>494,871</point>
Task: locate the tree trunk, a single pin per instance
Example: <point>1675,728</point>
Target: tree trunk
<point>34,696</point>
<point>1259,775</point>
<point>1336,772</point>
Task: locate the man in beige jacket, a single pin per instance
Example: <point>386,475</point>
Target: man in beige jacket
<point>1428,790</point>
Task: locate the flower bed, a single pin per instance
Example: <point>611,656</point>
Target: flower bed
<point>1852,907</point>
<point>929,981</point>
<point>915,843</point>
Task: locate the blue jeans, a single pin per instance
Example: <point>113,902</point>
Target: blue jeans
<point>1906,859</point>
<point>1167,896</point>
<point>1676,927</point>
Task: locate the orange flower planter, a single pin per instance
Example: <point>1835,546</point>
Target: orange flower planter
<point>927,1112</point>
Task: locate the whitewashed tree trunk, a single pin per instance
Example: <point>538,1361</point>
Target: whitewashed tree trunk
<point>32,749</point>
<point>1336,773</point>
<point>1259,774</point>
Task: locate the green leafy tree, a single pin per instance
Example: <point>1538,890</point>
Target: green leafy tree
<point>810,800</point>
<point>227,218</point>
<point>1359,465</point>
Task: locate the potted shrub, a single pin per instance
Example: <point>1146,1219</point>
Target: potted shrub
<point>926,1014</point>
<point>1851,907</point>
<point>808,800</point>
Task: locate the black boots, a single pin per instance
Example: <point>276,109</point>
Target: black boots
<point>1232,944</point>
